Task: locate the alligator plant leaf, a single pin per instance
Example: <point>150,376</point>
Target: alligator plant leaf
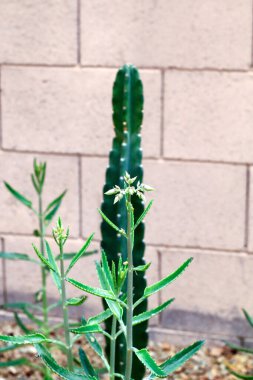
<point>126,156</point>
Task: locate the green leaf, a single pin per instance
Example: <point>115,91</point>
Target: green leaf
<point>107,271</point>
<point>43,175</point>
<point>87,329</point>
<point>56,201</point>
<point>35,184</point>
<point>21,305</point>
<point>167,280</point>
<point>49,216</point>
<point>114,306</point>
<point>55,272</point>
<point>25,339</point>
<point>14,363</point>
<point>239,375</point>
<point>18,196</point>
<point>142,268</point>
<point>122,232</point>
<point>70,255</point>
<point>150,313</point>
<point>101,317</point>
<point>21,324</point>
<point>239,348</point>
<point>54,367</point>
<point>179,359</point>
<point>87,367</point>
<point>96,346</point>
<point>248,317</point>
<point>144,356</point>
<point>17,256</point>
<point>32,317</point>
<point>89,289</point>
<point>146,210</point>
<point>76,301</point>
<point>80,253</point>
<point>43,259</point>
<point>9,347</point>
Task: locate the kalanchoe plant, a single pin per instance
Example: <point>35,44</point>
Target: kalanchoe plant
<point>112,281</point>
<point>44,217</point>
<point>40,339</point>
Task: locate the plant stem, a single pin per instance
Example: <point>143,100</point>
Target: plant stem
<point>113,347</point>
<point>65,310</point>
<point>129,327</point>
<point>43,269</point>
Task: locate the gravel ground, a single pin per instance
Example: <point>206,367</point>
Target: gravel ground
<point>208,364</point>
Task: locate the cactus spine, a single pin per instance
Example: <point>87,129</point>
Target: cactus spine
<point>126,155</point>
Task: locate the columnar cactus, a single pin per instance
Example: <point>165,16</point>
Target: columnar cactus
<point>126,156</point>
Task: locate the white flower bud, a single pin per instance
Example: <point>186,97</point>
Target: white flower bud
<point>112,191</point>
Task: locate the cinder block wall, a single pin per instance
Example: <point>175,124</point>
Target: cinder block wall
<point>58,59</point>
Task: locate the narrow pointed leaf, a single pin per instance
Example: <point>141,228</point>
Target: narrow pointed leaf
<point>111,223</point>
<point>142,268</point>
<point>55,272</point>
<point>107,271</point>
<point>239,375</point>
<point>96,346</point>
<point>88,329</point>
<point>80,253</point>
<point>146,210</point>
<point>76,301</point>
<point>43,259</point>
<point>56,368</point>
<point>32,317</point>
<point>55,201</point>
<point>146,315</point>
<point>18,196</point>
<point>144,356</point>
<point>114,306</point>
<point>35,184</point>
<point>101,317</point>
<point>87,367</point>
<point>14,363</point>
<point>9,347</point>
<point>17,256</point>
<point>21,305</point>
<point>21,324</point>
<point>71,255</point>
<point>180,358</point>
<point>167,280</point>
<point>43,175</point>
<point>239,348</point>
<point>89,289</point>
<point>248,317</point>
<point>25,339</point>
<point>49,216</point>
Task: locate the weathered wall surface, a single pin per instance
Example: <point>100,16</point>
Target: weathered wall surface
<point>58,59</point>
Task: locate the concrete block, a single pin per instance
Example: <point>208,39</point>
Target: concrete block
<point>35,32</point>
<point>208,116</point>
<point>167,33</point>
<point>69,110</point>
<point>210,293</point>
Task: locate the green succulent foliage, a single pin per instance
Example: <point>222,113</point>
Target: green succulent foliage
<point>126,156</point>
